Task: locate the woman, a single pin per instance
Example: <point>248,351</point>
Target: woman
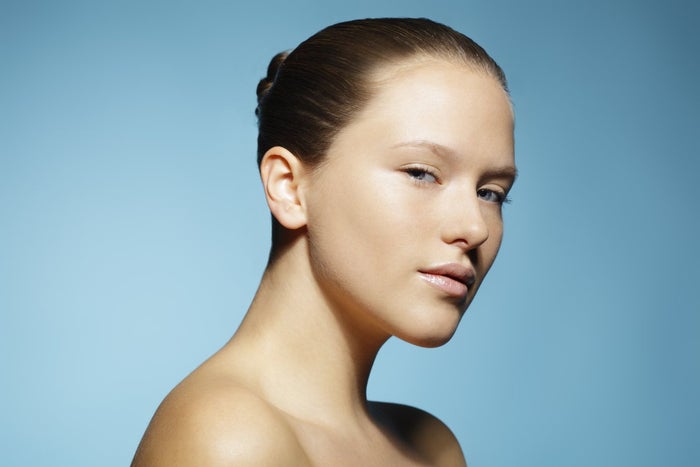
<point>386,152</point>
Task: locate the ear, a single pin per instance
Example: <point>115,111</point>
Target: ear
<point>281,173</point>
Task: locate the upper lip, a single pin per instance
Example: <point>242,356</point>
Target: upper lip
<point>456,271</point>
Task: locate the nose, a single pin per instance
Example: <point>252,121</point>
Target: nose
<point>466,225</point>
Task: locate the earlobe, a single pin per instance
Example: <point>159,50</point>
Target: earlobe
<point>281,172</point>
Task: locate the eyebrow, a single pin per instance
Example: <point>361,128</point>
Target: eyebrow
<point>440,150</point>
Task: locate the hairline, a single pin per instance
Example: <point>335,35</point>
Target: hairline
<point>378,76</point>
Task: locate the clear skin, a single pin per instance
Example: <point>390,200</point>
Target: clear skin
<point>408,199</point>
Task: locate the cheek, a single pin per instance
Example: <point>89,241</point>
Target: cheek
<point>363,210</point>
<point>493,244</point>
<point>337,219</point>
<point>358,228</point>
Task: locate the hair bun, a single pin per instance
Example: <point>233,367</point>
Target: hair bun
<point>266,83</point>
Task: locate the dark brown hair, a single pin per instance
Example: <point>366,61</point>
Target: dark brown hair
<point>310,94</point>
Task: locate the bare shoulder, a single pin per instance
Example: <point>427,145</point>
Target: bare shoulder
<point>425,433</point>
<point>217,423</point>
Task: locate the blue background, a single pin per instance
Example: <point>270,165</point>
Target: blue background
<point>133,228</point>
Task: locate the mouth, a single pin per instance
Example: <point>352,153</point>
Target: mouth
<point>453,279</point>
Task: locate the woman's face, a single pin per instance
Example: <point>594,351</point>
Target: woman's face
<point>404,216</point>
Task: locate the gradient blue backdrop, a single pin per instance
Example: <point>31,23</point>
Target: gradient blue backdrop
<point>133,231</point>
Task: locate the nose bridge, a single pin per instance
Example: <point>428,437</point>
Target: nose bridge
<point>467,223</point>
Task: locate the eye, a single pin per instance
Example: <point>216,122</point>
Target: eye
<point>492,196</point>
<point>421,175</point>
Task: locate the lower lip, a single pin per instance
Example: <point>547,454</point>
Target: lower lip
<point>446,284</point>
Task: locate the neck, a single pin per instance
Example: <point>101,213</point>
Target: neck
<point>311,357</point>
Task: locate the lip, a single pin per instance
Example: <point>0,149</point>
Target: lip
<point>453,279</point>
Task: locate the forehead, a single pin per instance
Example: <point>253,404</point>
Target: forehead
<point>445,102</point>
<point>437,78</point>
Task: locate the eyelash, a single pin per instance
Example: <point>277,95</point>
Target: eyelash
<point>500,197</point>
<point>417,174</point>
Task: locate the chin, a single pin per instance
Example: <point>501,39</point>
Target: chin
<point>433,342</point>
<point>430,335</point>
<point>427,341</point>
